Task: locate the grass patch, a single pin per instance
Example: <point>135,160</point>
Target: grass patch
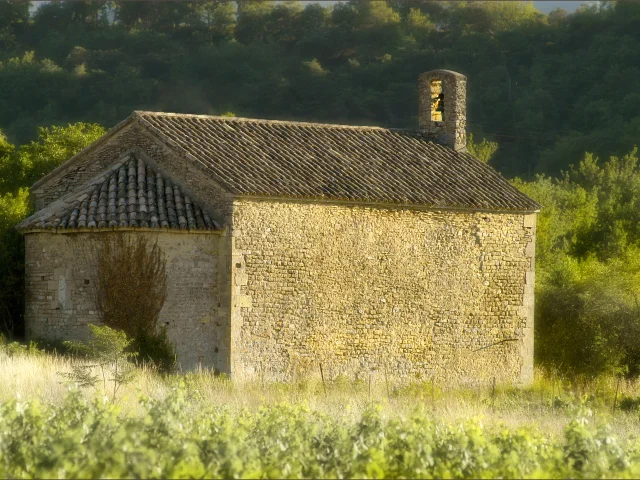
<point>201,424</point>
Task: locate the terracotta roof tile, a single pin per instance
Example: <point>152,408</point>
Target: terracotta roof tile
<point>132,195</point>
<point>306,160</point>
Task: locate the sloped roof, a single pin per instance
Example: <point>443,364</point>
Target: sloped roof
<point>131,195</point>
<point>335,162</point>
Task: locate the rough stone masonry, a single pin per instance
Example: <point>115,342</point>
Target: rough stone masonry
<point>291,245</point>
<point>413,292</point>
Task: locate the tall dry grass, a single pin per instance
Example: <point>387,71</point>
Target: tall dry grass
<point>40,376</point>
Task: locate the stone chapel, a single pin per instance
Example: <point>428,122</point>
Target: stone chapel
<point>290,244</point>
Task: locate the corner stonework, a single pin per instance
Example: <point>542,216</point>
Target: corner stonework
<point>526,375</point>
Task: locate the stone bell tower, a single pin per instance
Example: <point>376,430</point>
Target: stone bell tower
<point>442,107</point>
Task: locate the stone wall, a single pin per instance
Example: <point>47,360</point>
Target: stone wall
<point>412,292</point>
<point>183,172</point>
<point>59,298</point>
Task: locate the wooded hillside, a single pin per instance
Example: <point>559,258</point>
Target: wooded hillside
<point>547,88</point>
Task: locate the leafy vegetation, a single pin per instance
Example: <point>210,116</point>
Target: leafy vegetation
<point>171,438</point>
<point>19,168</point>
<point>200,424</point>
<point>547,88</point>
<point>12,348</point>
<point>588,268</point>
<point>543,89</point>
<point>109,352</point>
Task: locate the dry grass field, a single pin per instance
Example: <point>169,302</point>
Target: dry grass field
<point>548,404</point>
<point>197,424</point>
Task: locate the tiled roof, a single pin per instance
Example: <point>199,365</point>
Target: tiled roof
<point>317,161</point>
<point>132,195</point>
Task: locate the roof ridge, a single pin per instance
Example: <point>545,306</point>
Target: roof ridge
<point>142,113</point>
<point>334,162</point>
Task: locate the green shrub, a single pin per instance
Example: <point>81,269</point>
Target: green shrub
<point>156,349</point>
<point>108,353</point>
<point>177,438</point>
<point>587,317</point>
<point>15,349</point>
<point>629,404</point>
<point>129,289</point>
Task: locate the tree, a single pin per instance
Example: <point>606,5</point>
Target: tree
<point>14,21</point>
<point>7,183</point>
<point>588,272</point>
<point>108,352</point>
<point>165,17</point>
<point>548,87</point>
<point>313,19</point>
<point>588,317</point>
<point>129,290</point>
<point>55,145</point>
<point>219,20</point>
<point>13,208</point>
<point>253,19</point>
<point>60,16</point>
<point>557,16</point>
<point>377,26</point>
<point>19,168</point>
<point>483,151</point>
<point>283,24</point>
<point>418,24</point>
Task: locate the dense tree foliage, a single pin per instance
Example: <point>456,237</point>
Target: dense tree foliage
<point>546,87</point>
<point>588,267</point>
<point>19,168</point>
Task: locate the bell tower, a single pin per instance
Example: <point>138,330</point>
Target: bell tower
<point>442,107</point>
